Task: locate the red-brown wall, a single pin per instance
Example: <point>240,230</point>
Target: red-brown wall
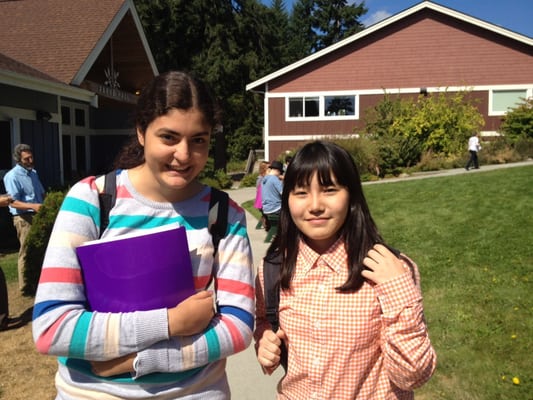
<point>425,49</point>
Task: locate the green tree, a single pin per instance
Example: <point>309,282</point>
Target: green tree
<point>302,35</point>
<point>228,44</point>
<point>334,20</point>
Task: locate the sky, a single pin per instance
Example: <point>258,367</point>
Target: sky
<point>515,15</point>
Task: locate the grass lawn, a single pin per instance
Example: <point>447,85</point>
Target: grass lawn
<point>471,236</point>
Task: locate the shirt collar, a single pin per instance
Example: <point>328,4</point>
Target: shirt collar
<point>335,257</point>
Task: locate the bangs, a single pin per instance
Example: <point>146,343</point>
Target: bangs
<point>328,161</point>
<point>307,167</point>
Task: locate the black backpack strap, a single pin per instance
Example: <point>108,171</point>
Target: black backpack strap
<point>217,223</point>
<point>107,199</point>
<point>271,275</point>
<point>218,216</point>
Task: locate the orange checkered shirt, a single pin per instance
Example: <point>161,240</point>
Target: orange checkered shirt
<point>368,344</point>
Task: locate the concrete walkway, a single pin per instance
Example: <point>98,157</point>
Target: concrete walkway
<point>246,379</point>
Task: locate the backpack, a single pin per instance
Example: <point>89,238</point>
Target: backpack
<point>271,288</point>
<point>217,217</point>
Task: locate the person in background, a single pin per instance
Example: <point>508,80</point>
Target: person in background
<point>27,192</point>
<point>258,204</point>
<point>350,307</point>
<point>165,353</point>
<point>5,200</point>
<point>272,186</point>
<point>473,148</point>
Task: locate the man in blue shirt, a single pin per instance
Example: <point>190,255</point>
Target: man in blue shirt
<point>23,185</point>
<point>272,186</point>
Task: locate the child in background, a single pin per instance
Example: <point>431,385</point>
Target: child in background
<point>172,353</point>
<point>350,309</point>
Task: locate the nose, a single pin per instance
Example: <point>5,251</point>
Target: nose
<point>181,151</point>
<point>315,202</point>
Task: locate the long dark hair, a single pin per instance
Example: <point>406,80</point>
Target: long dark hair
<point>359,231</point>
<point>170,90</point>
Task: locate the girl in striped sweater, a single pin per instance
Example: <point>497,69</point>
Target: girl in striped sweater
<point>165,353</point>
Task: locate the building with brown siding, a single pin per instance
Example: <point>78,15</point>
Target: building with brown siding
<point>70,72</point>
<point>427,47</point>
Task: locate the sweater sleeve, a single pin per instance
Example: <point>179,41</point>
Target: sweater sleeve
<point>62,324</point>
<point>410,359</point>
<point>230,331</point>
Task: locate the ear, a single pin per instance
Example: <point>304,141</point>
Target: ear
<point>140,137</point>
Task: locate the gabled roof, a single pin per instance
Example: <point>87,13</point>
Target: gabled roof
<point>62,39</point>
<point>384,23</point>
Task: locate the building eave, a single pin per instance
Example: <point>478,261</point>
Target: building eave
<point>44,86</point>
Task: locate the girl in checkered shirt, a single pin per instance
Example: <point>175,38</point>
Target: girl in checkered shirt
<point>350,308</point>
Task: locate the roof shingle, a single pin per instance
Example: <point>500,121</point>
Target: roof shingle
<point>54,36</point>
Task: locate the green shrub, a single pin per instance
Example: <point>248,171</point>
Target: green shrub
<point>37,240</point>
<point>524,147</point>
<point>249,180</point>
<point>364,153</point>
<point>219,180</point>
<point>518,122</point>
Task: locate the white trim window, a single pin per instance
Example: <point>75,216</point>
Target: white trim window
<point>500,101</point>
<point>321,106</point>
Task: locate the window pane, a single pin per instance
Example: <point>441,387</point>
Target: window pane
<point>79,116</point>
<point>296,107</point>
<point>311,107</point>
<point>502,100</point>
<point>339,105</point>
<point>65,115</point>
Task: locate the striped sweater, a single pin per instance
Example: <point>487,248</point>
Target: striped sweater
<point>168,367</point>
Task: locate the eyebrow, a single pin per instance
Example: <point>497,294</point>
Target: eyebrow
<point>166,130</point>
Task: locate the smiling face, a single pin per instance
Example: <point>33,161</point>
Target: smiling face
<point>319,212</point>
<point>176,148</point>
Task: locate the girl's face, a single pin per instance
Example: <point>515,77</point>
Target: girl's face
<point>176,147</point>
<point>319,212</point>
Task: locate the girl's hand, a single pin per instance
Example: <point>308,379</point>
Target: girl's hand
<point>269,351</point>
<point>382,265</point>
<point>192,315</point>
<point>121,365</point>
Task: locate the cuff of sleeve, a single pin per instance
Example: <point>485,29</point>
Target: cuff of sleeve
<point>396,294</point>
<point>151,360</point>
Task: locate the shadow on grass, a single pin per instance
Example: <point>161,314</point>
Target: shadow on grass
<point>18,322</point>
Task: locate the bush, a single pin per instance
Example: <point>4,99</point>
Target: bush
<point>518,123</point>
<point>524,148</point>
<point>249,180</point>
<point>219,180</point>
<point>364,153</point>
<point>37,240</point>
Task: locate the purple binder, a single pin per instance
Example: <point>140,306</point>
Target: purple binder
<point>137,273</point>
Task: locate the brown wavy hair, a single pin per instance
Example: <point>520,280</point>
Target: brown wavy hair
<point>170,90</point>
